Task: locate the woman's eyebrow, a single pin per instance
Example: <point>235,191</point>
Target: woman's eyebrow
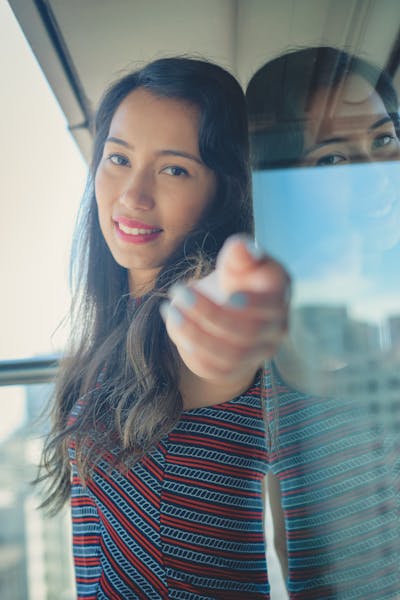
<point>380,122</point>
<point>118,141</point>
<point>181,153</point>
<point>335,140</point>
<point>164,152</point>
<point>341,139</point>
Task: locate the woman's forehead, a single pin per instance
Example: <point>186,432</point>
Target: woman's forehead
<point>357,90</point>
<point>145,115</point>
<point>352,105</point>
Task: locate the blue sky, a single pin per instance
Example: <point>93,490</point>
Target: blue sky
<point>337,229</point>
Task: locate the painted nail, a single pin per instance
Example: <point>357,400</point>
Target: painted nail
<point>255,250</point>
<point>182,295</point>
<point>237,300</point>
<point>168,311</point>
<point>164,306</point>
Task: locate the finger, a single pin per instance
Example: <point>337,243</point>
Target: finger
<point>261,304</point>
<point>268,277</point>
<point>193,340</point>
<point>206,352</point>
<point>246,317</point>
<point>239,253</point>
<point>242,265</point>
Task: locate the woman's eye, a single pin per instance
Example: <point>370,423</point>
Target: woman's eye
<point>175,171</point>
<point>381,141</point>
<point>330,160</point>
<point>118,159</point>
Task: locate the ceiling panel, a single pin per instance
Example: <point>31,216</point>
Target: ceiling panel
<point>122,34</point>
<point>82,45</point>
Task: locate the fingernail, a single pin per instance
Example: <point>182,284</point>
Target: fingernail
<point>182,295</point>
<point>164,306</point>
<point>168,311</point>
<point>237,300</point>
<point>254,250</point>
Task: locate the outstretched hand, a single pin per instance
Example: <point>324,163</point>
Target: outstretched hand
<point>227,324</point>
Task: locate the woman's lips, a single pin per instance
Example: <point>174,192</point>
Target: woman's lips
<point>135,232</point>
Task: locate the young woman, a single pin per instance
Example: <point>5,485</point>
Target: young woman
<point>333,485</point>
<point>158,425</point>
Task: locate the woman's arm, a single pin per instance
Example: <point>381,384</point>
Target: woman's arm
<point>227,325</point>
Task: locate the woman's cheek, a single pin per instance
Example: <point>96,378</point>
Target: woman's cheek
<point>102,186</point>
<point>97,184</point>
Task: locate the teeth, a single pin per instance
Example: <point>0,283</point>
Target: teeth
<point>135,230</point>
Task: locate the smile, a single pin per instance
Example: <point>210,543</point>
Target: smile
<point>136,230</point>
<point>136,235</point>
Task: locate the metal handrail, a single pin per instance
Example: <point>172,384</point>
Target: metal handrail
<point>28,370</point>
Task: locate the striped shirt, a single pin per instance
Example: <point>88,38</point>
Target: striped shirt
<point>340,496</point>
<point>186,522</point>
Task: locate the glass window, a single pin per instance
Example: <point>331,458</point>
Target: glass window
<point>35,550</point>
<point>325,138</point>
<point>42,178</point>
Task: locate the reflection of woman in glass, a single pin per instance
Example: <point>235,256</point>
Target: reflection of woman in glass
<point>159,426</point>
<point>332,492</point>
<point>322,107</point>
<point>338,229</point>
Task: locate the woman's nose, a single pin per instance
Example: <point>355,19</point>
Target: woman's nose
<point>138,191</point>
<point>362,154</point>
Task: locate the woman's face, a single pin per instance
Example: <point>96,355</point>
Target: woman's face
<point>349,124</point>
<point>151,185</point>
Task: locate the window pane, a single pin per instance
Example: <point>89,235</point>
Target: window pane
<point>35,550</point>
<point>42,178</point>
<point>326,148</point>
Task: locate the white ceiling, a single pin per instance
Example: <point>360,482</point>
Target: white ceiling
<point>103,38</point>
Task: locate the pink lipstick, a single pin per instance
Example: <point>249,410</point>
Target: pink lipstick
<point>135,232</point>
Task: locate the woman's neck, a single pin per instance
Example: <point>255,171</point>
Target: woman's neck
<point>141,285</point>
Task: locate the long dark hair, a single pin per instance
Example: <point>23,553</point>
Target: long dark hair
<point>120,362</point>
<point>279,94</point>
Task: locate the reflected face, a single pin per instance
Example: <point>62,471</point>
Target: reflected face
<point>349,125</point>
<point>151,185</point>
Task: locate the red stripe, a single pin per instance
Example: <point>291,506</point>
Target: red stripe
<point>212,508</point>
<point>212,531</point>
<point>214,467</point>
<point>140,566</point>
<point>210,486</point>
<point>209,571</point>
<point>215,592</point>
<point>137,535</point>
